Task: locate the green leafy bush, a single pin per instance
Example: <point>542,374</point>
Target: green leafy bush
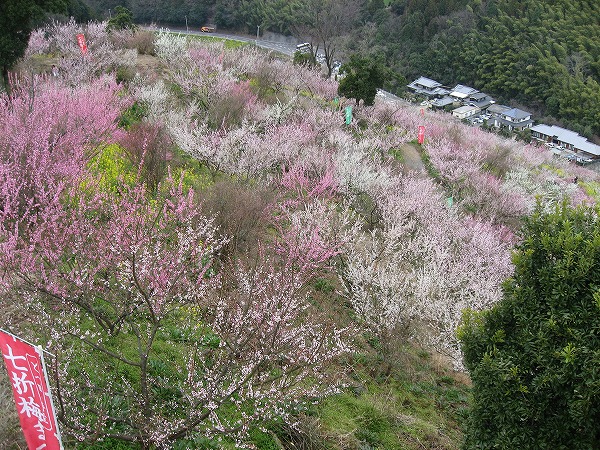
<point>132,115</point>
<point>362,78</point>
<point>534,357</point>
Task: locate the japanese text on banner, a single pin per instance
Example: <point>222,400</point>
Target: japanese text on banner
<point>25,366</point>
<point>81,43</point>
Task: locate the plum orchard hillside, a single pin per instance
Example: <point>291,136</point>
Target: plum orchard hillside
<point>223,243</point>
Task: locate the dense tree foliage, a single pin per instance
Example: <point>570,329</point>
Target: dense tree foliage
<point>545,54</point>
<point>361,79</point>
<point>534,357</point>
<point>122,20</point>
<point>170,12</point>
<point>17,20</point>
<point>79,10</point>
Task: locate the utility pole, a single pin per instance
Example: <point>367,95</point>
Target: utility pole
<point>257,32</point>
<point>186,25</point>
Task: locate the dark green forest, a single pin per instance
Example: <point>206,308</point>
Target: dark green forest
<point>545,54</point>
<point>542,54</point>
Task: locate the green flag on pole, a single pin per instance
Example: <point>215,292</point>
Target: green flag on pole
<point>348,111</point>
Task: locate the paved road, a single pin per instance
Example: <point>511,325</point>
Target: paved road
<point>281,47</point>
<point>390,98</point>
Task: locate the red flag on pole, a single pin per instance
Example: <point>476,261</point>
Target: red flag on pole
<point>81,43</point>
<point>421,134</point>
<point>27,374</point>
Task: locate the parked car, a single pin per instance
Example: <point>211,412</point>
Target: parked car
<point>583,161</point>
<point>207,29</point>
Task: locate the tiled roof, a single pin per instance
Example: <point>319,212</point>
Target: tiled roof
<point>517,114</point>
<point>426,82</point>
<point>461,91</point>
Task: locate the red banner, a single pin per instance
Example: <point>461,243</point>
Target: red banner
<point>27,374</point>
<point>81,43</point>
<point>421,134</point>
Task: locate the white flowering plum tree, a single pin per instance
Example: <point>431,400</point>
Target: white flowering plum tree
<point>106,52</point>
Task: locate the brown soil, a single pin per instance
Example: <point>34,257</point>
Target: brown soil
<point>150,67</point>
<point>411,157</point>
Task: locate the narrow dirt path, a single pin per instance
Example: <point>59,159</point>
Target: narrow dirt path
<point>411,158</point>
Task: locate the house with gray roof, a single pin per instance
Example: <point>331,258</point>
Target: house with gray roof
<point>428,87</point>
<point>465,111</point>
<point>443,102</point>
<point>514,119</point>
<point>480,99</point>
<point>461,92</point>
<point>567,139</point>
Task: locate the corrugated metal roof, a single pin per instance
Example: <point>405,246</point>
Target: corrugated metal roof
<point>568,137</point>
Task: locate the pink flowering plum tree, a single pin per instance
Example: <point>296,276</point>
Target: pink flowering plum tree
<point>47,134</point>
<point>157,338</point>
<point>89,277</point>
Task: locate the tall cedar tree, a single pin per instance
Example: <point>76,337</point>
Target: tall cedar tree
<point>534,357</point>
<point>122,20</point>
